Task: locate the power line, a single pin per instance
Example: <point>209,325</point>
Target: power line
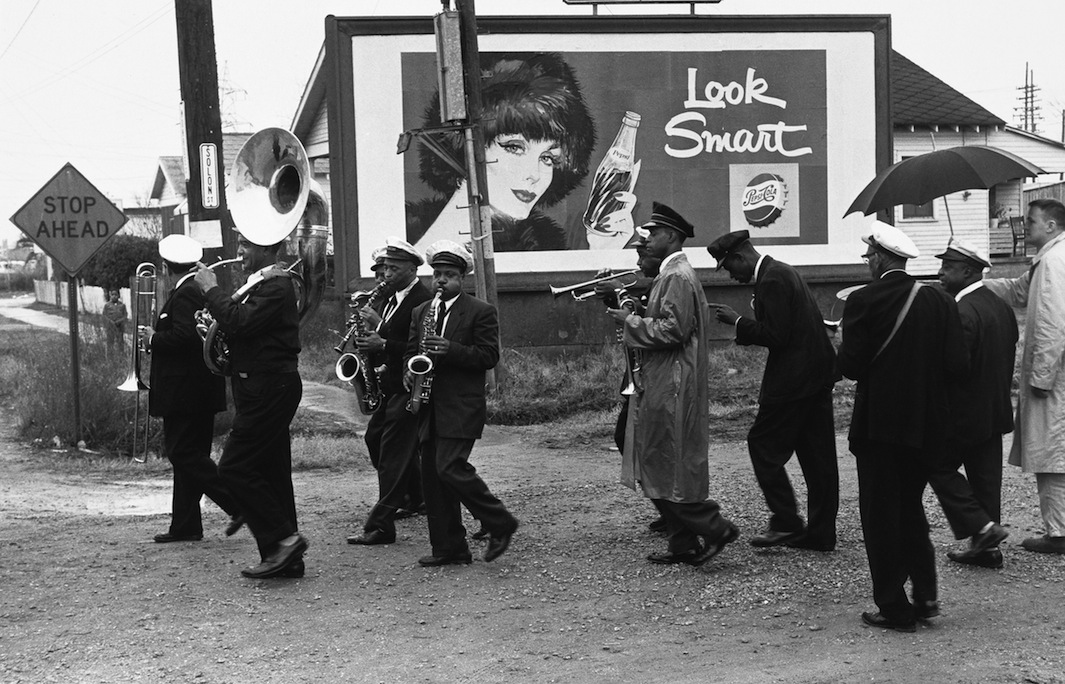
<point>24,21</point>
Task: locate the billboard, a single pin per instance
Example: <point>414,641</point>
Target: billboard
<point>765,124</point>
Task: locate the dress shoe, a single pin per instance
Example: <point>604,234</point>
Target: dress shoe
<point>992,558</point>
<point>372,538</point>
<point>295,570</point>
<point>410,512</point>
<point>282,557</point>
<point>497,544</point>
<point>658,525</point>
<point>234,525</point>
<point>480,534</point>
<point>773,538</point>
<point>990,539</point>
<point>451,559</point>
<point>166,538</point>
<point>1045,544</point>
<point>878,620</point>
<point>805,542</point>
<point>924,610</point>
<point>670,558</point>
<point>711,549</point>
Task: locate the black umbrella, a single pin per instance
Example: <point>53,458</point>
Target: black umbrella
<point>920,179</point>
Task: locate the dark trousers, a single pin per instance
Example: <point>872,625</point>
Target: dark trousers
<point>392,440</point>
<point>806,428</point>
<point>891,482</point>
<point>449,481</point>
<point>256,462</point>
<point>686,522</point>
<point>187,444</point>
<point>972,500</point>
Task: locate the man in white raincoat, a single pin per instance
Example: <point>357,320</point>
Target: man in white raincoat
<point>1039,437</point>
<point>668,425</point>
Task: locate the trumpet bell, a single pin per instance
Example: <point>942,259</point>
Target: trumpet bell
<point>269,186</point>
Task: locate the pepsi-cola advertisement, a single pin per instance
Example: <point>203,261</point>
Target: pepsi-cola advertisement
<point>771,132</point>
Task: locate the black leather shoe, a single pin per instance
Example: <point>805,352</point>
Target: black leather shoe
<point>990,539</point>
<point>804,542</point>
<point>711,549</point>
<point>773,538</point>
<point>984,559</point>
<point>497,544</point>
<point>658,525</point>
<point>924,610</point>
<point>295,570</point>
<point>234,525</point>
<point>878,620</point>
<point>670,558</point>
<point>450,559</point>
<point>276,563</point>
<point>480,534</point>
<point>166,538</point>
<point>371,538</point>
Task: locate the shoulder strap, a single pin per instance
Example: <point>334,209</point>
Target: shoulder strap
<point>898,321</point>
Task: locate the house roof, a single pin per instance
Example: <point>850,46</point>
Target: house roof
<point>920,99</point>
<point>171,170</point>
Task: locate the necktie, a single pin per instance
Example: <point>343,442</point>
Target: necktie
<point>390,307</point>
<point>440,313</point>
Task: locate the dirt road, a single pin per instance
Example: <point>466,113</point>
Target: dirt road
<point>86,596</point>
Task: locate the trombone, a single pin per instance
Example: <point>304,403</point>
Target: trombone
<point>142,285</point>
<point>556,291</point>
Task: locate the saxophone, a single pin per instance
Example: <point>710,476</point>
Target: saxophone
<point>353,367</point>
<point>421,365</point>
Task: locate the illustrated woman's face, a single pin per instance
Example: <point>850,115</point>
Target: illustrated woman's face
<point>519,171</point>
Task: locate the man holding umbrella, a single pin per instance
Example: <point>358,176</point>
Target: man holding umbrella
<point>1039,439</point>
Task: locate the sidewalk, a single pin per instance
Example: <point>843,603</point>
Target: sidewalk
<point>15,308</point>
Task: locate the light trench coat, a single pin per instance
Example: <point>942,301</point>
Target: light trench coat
<point>668,426</point>
<point>1039,437</point>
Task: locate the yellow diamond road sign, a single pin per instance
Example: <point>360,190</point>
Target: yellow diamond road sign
<point>69,219</point>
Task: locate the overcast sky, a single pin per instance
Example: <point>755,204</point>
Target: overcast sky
<point>96,83</point>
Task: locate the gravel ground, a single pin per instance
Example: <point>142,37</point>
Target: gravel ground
<point>88,598</point>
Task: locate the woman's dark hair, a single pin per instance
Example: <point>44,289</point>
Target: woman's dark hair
<point>531,94</point>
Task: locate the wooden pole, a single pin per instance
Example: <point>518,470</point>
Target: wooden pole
<point>75,363</point>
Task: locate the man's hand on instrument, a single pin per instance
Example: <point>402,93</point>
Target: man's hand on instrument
<point>372,342</point>
<point>205,277</point>
<point>619,315</point>
<point>725,313</point>
<point>145,333</point>
<point>370,317</point>
<point>436,345</point>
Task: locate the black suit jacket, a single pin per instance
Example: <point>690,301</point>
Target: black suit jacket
<point>457,402</point>
<point>395,331</point>
<point>901,396</point>
<point>981,401</point>
<point>180,381</point>
<point>789,323</point>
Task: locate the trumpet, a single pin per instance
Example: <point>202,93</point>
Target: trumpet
<point>556,291</point>
<point>142,304</point>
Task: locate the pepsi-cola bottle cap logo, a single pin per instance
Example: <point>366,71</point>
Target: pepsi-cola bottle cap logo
<point>764,199</point>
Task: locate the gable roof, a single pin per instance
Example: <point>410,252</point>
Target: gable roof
<point>920,99</point>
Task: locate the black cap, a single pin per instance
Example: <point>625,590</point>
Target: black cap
<point>663,216</point>
<point>726,244</point>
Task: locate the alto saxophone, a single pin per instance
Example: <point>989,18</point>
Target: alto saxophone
<point>421,365</point>
<point>353,367</point>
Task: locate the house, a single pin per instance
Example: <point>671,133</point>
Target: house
<point>928,114</point>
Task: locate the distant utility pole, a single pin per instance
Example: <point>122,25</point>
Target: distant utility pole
<point>209,220</point>
<point>1029,110</point>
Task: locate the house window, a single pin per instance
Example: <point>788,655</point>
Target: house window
<point>918,211</point>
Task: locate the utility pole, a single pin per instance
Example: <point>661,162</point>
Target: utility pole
<point>209,220</point>
<point>1029,109</point>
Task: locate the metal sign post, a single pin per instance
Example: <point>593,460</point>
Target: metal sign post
<point>70,220</point>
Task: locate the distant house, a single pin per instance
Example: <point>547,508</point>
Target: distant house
<point>928,114</point>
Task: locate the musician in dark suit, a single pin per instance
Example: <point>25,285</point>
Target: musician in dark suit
<point>462,339</point>
<point>391,434</point>
<point>261,325</point>
<point>982,410</point>
<point>186,395</point>
<point>903,345</point>
<point>795,402</point>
